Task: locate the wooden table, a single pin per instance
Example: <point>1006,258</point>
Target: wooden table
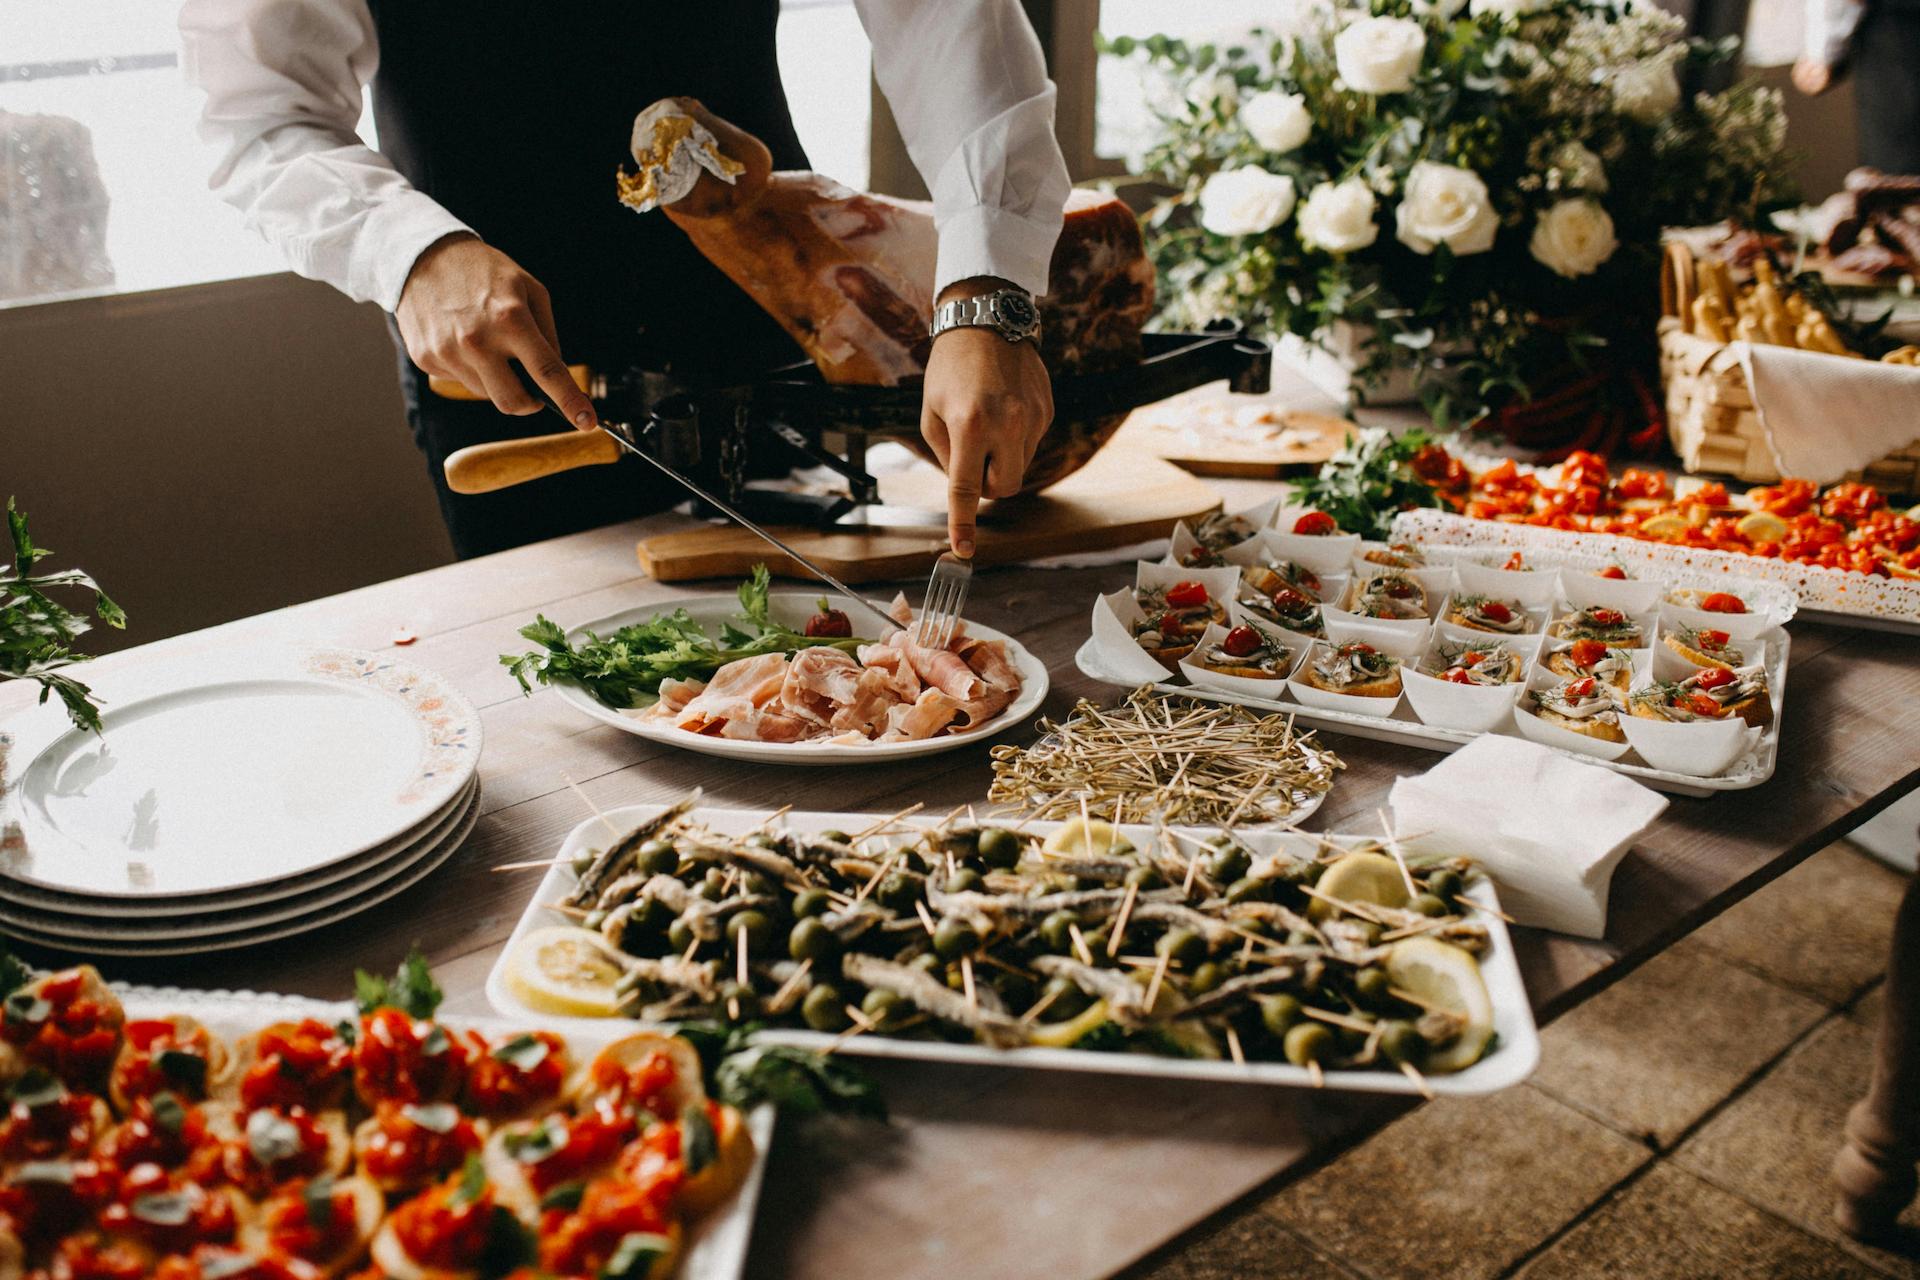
<point>997,1172</point>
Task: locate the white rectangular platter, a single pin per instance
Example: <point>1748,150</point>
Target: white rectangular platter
<point>716,1246</point>
<point>1403,724</point>
<point>1512,1058</point>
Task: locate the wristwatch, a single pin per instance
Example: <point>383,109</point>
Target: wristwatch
<point>1009,312</point>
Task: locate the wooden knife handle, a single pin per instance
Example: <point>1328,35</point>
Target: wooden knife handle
<point>482,468</point>
<point>450,389</point>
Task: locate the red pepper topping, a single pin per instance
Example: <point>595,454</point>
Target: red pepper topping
<point>1585,653</point>
<point>1315,524</point>
<point>1494,611</point>
<point>1615,572</point>
<point>1713,678</point>
<point>1607,617</point>
<point>1581,688</point>
<point>1711,640</point>
<point>1721,602</point>
<point>1241,641</point>
<point>1515,561</point>
<point>1187,595</point>
<point>1704,704</point>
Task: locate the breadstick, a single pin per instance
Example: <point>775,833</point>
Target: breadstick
<point>1710,319</point>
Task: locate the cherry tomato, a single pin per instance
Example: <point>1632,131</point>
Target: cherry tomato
<point>1241,641</point>
<point>297,1064</point>
<point>507,1079</point>
<point>1614,572</point>
<point>1458,675</point>
<point>1315,524</point>
<point>1703,704</point>
<point>1581,688</point>
<point>1287,600</point>
<point>1472,658</point>
<point>1721,602</point>
<point>1585,653</point>
<point>1607,617</point>
<point>1713,639</point>
<point>1187,595</point>
<point>1713,678</point>
<point>1496,611</point>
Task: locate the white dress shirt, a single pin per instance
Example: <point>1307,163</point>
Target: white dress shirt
<point>1830,27</point>
<point>283,82</point>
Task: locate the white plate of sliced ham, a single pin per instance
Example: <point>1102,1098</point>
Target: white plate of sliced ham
<point>889,699</point>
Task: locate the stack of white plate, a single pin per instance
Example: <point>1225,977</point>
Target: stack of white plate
<point>231,803</point>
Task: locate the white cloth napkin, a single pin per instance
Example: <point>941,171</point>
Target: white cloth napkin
<point>1546,827</point>
<point>1826,415</point>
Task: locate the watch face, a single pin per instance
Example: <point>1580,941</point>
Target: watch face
<point>1016,310</point>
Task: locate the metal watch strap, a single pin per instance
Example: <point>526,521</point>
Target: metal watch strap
<point>982,311</point>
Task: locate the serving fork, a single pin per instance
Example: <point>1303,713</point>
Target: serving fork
<point>946,597</point>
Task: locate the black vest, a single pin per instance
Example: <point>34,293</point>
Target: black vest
<point>515,115</point>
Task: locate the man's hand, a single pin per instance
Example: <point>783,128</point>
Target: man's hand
<point>467,309</point>
<point>1812,77</point>
<point>987,403</point>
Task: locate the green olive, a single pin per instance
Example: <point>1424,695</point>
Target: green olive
<point>1057,931</point>
<point>680,935</point>
<point>884,1007</point>
<point>1183,947</point>
<point>1145,877</point>
<point>1370,985</point>
<point>1370,933</point>
<point>1248,889</point>
<point>713,885</point>
<point>583,864</point>
<point>898,891</point>
<point>1205,978</point>
<point>754,925</point>
<point>654,916</point>
<point>811,940</point>
<point>999,847</point>
<point>1427,904</point>
<point>811,902</point>
<point>658,858</point>
<point>1229,865</point>
<point>954,938</point>
<point>1402,1042</point>
<point>738,995</point>
<point>1097,943</point>
<point>1445,884</point>
<point>823,1008</point>
<point>762,840</point>
<point>755,883</point>
<point>1278,1014</point>
<point>966,880</point>
<point>1065,999</point>
<point>834,835</point>
<point>1308,1042</point>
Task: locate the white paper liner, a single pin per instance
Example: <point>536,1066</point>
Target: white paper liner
<point>1402,640</point>
<point>1703,747</point>
<point>1635,596</point>
<point>1222,582</point>
<point>1536,616</point>
<point>698,151</point>
<point>1245,686</point>
<point>1535,588</point>
<point>1475,708</point>
<point>1669,666</point>
<point>1324,553</point>
<point>1642,663</point>
<point>1240,615</point>
<point>1649,625</point>
<point>1527,643</point>
<point>1552,735</point>
<point>1113,617</point>
<point>1355,703</point>
<point>1740,626</point>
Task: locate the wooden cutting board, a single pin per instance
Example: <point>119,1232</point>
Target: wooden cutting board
<point>1120,497</point>
<point>1213,432</point>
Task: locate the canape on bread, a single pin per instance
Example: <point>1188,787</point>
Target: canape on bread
<point>175,1054</point>
<point>1353,668</point>
<point>520,1074</point>
<point>325,1222</point>
<point>1287,607</point>
<point>1387,595</point>
<point>45,1120</point>
<point>1492,663</point>
<point>1709,601</point>
<point>441,1233</point>
<point>718,1153</point>
<point>1398,555</point>
<point>528,1160</point>
<point>399,1058</point>
<point>1174,619</point>
<point>1612,667</point>
<point>1597,622</point>
<point>291,1064</point>
<point>269,1145</point>
<point>1581,705</point>
<point>403,1146</point>
<point>1248,652</point>
<point>68,1022</point>
<point>1713,693</point>
<point>643,1074</point>
<point>1704,646</point>
<point>1266,579</point>
<point>1219,531</point>
<point>1483,613</point>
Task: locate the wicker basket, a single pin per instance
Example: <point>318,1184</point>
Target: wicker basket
<point>1710,415</point>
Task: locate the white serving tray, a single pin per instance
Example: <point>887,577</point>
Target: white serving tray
<point>1515,1054</point>
<point>716,1247</point>
<point>794,608</point>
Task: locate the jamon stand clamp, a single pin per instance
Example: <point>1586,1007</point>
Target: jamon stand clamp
<point>723,437</point>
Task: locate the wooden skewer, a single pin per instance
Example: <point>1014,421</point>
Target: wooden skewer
<point>861,1023</point>
<point>740,957</point>
<point>537,862</point>
<point>1045,1002</point>
<point>879,873</point>
<point>1492,911</point>
<point>1233,1046</point>
<point>1416,1001</point>
<point>1159,976</point>
<point>1339,1020</point>
<point>1393,847</point>
<point>1354,908</point>
<point>1316,1075</point>
<point>1419,1081</point>
<point>1120,924</point>
<point>779,1001</point>
<point>925,918</point>
<point>771,818</point>
<point>1080,947</point>
<point>966,980</point>
<point>587,800</point>
<point>687,956</point>
<point>884,823</point>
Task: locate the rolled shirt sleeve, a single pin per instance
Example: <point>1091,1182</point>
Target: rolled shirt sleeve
<point>968,85</point>
<point>283,81</point>
<point>1830,26</point>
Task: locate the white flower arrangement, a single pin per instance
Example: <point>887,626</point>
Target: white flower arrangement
<point>1522,157</point>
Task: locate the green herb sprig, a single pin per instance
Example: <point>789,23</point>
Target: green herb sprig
<point>1369,482</point>
<point>625,669</point>
<point>745,1073</point>
<point>411,989</point>
<point>37,632</point>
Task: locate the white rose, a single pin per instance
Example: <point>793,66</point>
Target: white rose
<point>1579,168</point>
<point>1216,90</point>
<point>1443,204</point>
<point>1573,238</point>
<point>1646,91</point>
<point>1338,217</point>
<point>1508,9</point>
<point>1277,121</point>
<point>1441,10</point>
<point>1379,55</point>
<point>1245,201</point>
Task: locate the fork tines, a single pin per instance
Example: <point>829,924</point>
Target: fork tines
<point>946,596</point>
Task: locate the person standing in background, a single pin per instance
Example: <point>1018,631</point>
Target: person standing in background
<point>1877,42</point>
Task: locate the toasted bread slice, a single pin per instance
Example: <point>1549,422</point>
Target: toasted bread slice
<point>1604,726</point>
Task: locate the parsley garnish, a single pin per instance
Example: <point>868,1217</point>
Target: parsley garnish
<point>37,632</point>
<point>411,989</point>
<point>1369,482</point>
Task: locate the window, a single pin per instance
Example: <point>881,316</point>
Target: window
<point>1123,121</point>
<point>103,178</point>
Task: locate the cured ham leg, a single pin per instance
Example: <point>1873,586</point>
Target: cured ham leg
<point>850,275</point>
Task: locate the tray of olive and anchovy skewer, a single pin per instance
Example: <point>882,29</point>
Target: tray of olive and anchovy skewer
<point>1260,955</point>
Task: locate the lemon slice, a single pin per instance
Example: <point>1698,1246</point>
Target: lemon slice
<point>565,970</point>
<point>1668,525</point>
<point>1360,877</point>
<point>1762,526</point>
<point>1084,838</point>
<point>1446,977</point>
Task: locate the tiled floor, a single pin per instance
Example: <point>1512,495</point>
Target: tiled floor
<point>1679,1128</point>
